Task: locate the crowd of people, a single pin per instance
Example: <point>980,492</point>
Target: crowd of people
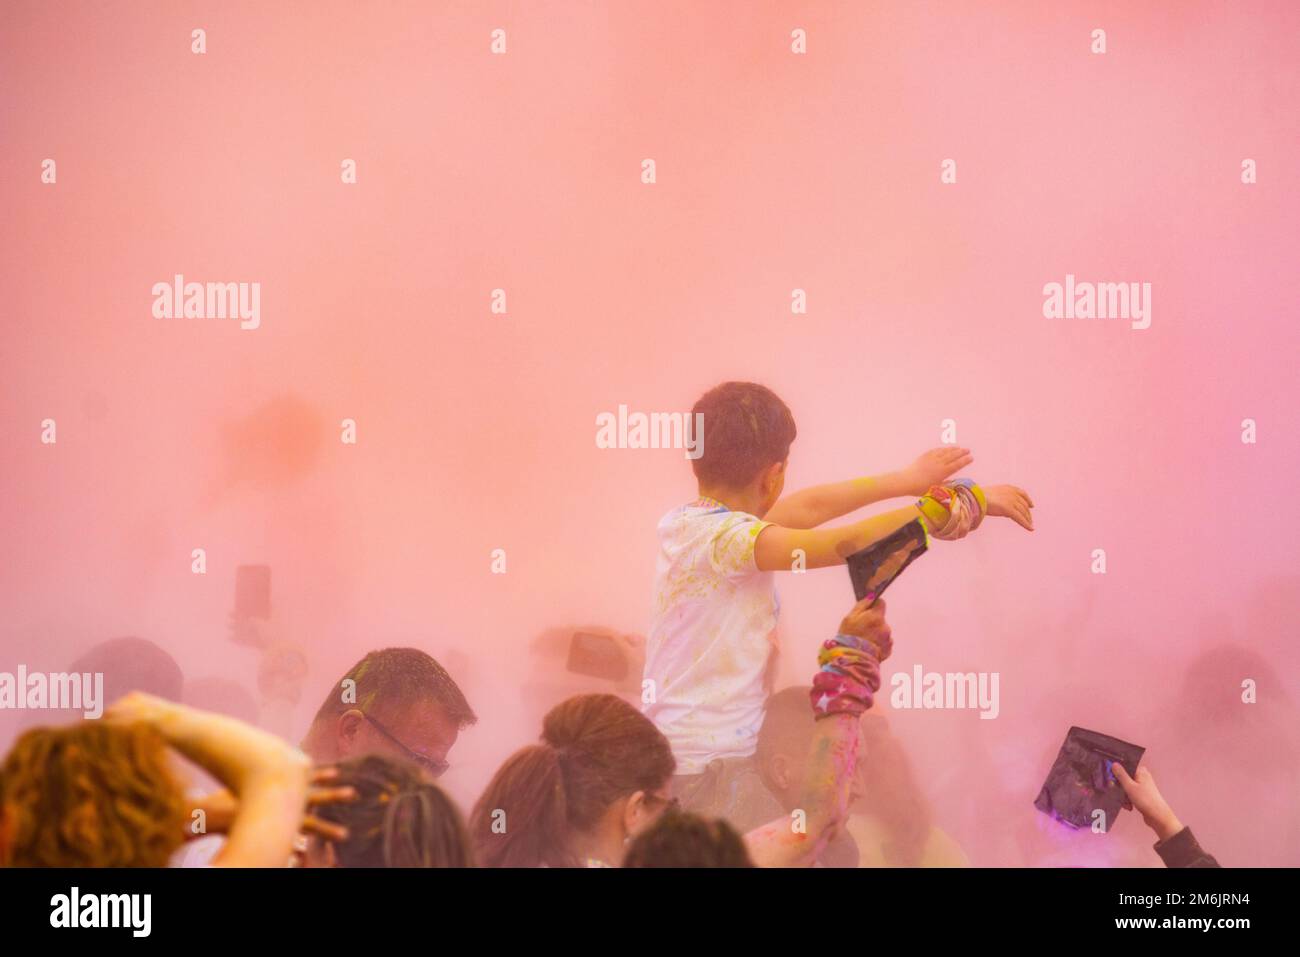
<point>362,791</point>
<point>710,766</point>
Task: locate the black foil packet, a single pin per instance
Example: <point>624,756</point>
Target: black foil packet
<point>1081,781</point>
<point>873,568</point>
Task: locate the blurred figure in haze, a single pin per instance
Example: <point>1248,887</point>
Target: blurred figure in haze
<point>222,696</point>
<point>282,670</point>
<point>1232,737</point>
<point>586,659</point>
<point>127,664</point>
<point>890,822</point>
<point>133,664</point>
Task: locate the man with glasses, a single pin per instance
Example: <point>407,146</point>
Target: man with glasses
<point>397,701</point>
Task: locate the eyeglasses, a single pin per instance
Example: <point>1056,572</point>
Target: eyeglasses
<point>671,805</point>
<point>435,767</point>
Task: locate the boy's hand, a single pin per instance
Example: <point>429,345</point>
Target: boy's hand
<point>1007,501</point>
<point>1145,797</point>
<point>932,467</point>
<point>866,620</point>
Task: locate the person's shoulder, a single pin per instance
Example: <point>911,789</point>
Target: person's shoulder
<point>698,512</point>
<point>737,524</point>
<point>706,527</point>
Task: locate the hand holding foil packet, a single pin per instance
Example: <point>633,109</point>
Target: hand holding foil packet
<point>1081,782</point>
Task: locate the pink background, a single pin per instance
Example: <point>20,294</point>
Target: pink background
<point>775,172</point>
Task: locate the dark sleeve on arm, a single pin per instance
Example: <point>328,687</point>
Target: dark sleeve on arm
<point>1181,850</point>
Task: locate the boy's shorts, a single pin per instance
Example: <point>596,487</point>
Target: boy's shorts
<point>729,788</point>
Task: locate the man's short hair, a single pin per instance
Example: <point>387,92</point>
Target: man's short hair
<point>746,428</point>
<point>395,678</point>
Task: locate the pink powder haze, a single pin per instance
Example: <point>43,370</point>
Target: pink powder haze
<point>775,171</point>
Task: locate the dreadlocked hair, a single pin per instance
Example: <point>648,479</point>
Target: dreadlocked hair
<point>398,819</point>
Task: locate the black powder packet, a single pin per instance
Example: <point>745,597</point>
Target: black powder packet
<point>1081,781</point>
<point>874,567</point>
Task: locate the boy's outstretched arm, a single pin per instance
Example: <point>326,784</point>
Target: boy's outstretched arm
<point>774,551</point>
<point>814,506</point>
<point>776,547</point>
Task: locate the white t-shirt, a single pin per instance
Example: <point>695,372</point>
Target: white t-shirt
<point>711,634</point>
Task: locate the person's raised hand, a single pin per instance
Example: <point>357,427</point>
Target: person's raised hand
<point>1144,797</point>
<point>137,707</point>
<point>324,790</point>
<point>866,620</point>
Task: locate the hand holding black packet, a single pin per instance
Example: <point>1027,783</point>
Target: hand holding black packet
<point>873,568</point>
<point>1081,782</point>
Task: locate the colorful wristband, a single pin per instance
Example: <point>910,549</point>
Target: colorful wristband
<point>952,511</point>
<point>848,678</point>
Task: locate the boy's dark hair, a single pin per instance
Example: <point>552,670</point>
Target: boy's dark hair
<point>398,819</point>
<point>395,678</point>
<point>681,839</point>
<point>746,428</point>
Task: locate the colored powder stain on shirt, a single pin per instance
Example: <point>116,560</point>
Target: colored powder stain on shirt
<point>708,646</point>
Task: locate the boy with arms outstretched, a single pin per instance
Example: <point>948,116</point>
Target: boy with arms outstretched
<point>711,641</point>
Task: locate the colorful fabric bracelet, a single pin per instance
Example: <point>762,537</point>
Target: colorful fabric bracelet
<point>978,492</point>
<point>848,679</point>
<point>952,511</point>
<point>842,646</point>
<point>852,641</point>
